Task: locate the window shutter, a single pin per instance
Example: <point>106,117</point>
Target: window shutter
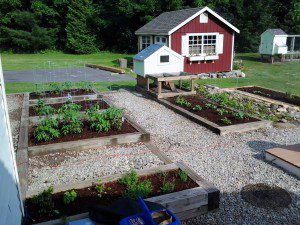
<point>220,42</point>
<point>184,45</point>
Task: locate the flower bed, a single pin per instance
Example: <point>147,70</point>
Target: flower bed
<point>276,95</point>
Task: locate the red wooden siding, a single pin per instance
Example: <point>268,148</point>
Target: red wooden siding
<point>213,25</point>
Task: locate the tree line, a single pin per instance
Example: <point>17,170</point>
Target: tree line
<point>87,26</point>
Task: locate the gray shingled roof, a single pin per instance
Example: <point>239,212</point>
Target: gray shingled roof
<point>144,54</point>
<point>277,32</point>
<point>166,21</point>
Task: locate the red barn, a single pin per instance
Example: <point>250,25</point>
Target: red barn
<point>204,38</point>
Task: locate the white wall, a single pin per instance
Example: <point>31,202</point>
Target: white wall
<point>152,64</point>
<point>11,209</point>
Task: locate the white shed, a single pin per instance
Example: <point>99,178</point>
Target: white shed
<point>157,59</point>
<point>273,42</point>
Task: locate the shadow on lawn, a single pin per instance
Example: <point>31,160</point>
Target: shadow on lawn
<point>249,58</point>
<point>116,87</point>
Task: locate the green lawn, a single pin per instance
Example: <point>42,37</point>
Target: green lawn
<point>283,77</point>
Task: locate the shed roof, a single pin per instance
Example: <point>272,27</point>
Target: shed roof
<point>276,31</point>
<point>145,53</point>
<point>167,21</point>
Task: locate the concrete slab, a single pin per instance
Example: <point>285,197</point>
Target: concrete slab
<point>62,75</point>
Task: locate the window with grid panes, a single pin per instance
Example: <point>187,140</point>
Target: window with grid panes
<point>146,41</point>
<point>202,44</point>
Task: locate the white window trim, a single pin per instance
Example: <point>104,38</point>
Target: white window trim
<point>203,34</point>
<point>205,9</point>
<point>141,41</point>
<point>160,38</point>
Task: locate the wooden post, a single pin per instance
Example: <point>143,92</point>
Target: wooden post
<point>159,88</point>
<point>180,84</point>
<point>193,85</point>
<point>292,47</point>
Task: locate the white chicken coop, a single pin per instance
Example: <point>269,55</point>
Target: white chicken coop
<point>275,42</point>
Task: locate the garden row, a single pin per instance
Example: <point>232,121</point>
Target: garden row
<point>48,206</point>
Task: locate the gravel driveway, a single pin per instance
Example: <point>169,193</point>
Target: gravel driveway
<point>229,162</point>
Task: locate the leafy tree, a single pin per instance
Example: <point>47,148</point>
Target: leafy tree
<point>80,38</point>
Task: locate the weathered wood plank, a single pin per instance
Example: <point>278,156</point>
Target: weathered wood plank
<point>106,68</point>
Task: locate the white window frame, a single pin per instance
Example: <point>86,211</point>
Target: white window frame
<point>202,44</point>
<point>160,40</point>
<point>148,42</point>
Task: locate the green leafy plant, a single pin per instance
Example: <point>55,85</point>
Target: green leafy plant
<point>226,121</point>
<point>180,100</point>
<point>70,117</point>
<point>197,108</point>
<point>114,116</point>
<point>208,105</point>
<point>42,109</point>
<point>67,85</point>
<point>182,176</point>
<point>100,124</point>
<point>46,130</point>
<point>168,187</point>
<point>69,197</point>
<point>163,174</point>
<point>100,188</point>
<point>221,111</point>
<point>44,202</point>
<point>289,94</point>
<point>134,187</point>
<point>55,88</point>
<point>238,115</point>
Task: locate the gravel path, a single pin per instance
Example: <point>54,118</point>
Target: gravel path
<point>229,162</point>
<point>61,168</point>
<point>15,103</point>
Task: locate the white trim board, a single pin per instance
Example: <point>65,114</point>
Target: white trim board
<point>200,12</point>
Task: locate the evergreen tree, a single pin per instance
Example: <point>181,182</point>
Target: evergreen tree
<point>80,38</point>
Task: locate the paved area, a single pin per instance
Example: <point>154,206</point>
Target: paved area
<point>62,75</point>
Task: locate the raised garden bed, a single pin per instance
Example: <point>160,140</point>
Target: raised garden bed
<point>219,119</point>
<point>272,94</point>
<point>62,96</point>
<point>85,104</point>
<point>129,132</point>
<point>189,196</point>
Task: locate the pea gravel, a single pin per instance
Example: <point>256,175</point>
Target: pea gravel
<point>62,168</point>
<point>229,162</point>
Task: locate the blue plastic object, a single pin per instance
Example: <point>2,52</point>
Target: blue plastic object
<point>145,218</point>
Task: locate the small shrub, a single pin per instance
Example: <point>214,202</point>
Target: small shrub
<point>163,174</point>
<point>289,94</point>
<point>44,202</point>
<point>180,100</point>
<point>168,187</point>
<point>42,109</point>
<point>69,197</point>
<point>197,108</point>
<point>100,188</point>
<point>46,130</point>
<point>182,176</point>
<point>226,121</point>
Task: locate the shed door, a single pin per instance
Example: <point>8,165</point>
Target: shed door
<point>11,210</point>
